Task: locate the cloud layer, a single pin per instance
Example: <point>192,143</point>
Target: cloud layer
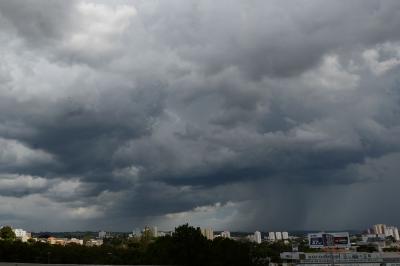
<point>237,115</point>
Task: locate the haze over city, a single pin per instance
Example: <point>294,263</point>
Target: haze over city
<point>237,115</point>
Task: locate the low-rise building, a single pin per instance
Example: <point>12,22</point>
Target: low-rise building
<point>74,241</point>
<point>64,241</point>
<point>21,234</point>
<point>56,241</point>
<point>94,242</point>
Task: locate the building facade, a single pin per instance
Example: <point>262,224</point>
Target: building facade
<point>257,237</point>
<point>380,229</point>
<point>285,235</point>
<point>208,233</point>
<point>226,234</point>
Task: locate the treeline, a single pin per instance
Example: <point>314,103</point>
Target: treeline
<point>186,246</point>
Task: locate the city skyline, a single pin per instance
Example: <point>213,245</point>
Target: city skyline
<point>233,115</point>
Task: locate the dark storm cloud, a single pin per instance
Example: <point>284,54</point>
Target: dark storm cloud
<point>151,111</point>
<point>277,38</point>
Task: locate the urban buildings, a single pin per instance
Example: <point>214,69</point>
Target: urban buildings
<point>22,234</point>
<point>226,234</point>
<point>94,242</point>
<point>275,236</point>
<point>392,231</point>
<point>154,231</point>
<point>386,230</point>
<point>136,233</point>
<point>56,241</point>
<point>379,229</point>
<point>74,241</point>
<point>208,233</point>
<point>257,237</point>
<point>102,234</point>
<point>64,241</point>
<point>381,236</point>
<point>369,238</point>
<point>329,240</point>
<point>19,233</point>
<point>149,232</point>
<point>271,236</point>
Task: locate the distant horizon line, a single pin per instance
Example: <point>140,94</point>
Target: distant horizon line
<point>232,231</point>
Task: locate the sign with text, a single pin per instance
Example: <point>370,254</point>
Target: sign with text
<point>321,240</point>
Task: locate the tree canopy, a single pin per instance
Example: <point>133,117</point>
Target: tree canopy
<point>186,246</point>
<point>6,233</point>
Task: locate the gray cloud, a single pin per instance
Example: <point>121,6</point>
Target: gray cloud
<point>142,112</point>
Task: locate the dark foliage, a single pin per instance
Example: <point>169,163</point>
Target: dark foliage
<point>186,246</point>
<point>6,233</point>
<point>367,248</point>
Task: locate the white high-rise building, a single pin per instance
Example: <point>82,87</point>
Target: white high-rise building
<point>392,231</point>
<point>396,234</point>
<point>102,234</point>
<point>154,231</point>
<point>380,229</point>
<point>226,234</point>
<point>285,235</point>
<point>257,237</point>
<point>271,236</point>
<point>208,233</point>
<point>278,235</point>
<point>389,231</point>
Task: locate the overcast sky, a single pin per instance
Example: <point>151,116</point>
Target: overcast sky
<point>240,115</point>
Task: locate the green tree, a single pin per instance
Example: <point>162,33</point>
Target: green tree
<point>161,251</point>
<point>146,236</point>
<point>6,233</point>
<point>190,246</point>
<point>229,252</point>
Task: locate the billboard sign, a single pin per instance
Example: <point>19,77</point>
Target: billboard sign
<point>321,240</point>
